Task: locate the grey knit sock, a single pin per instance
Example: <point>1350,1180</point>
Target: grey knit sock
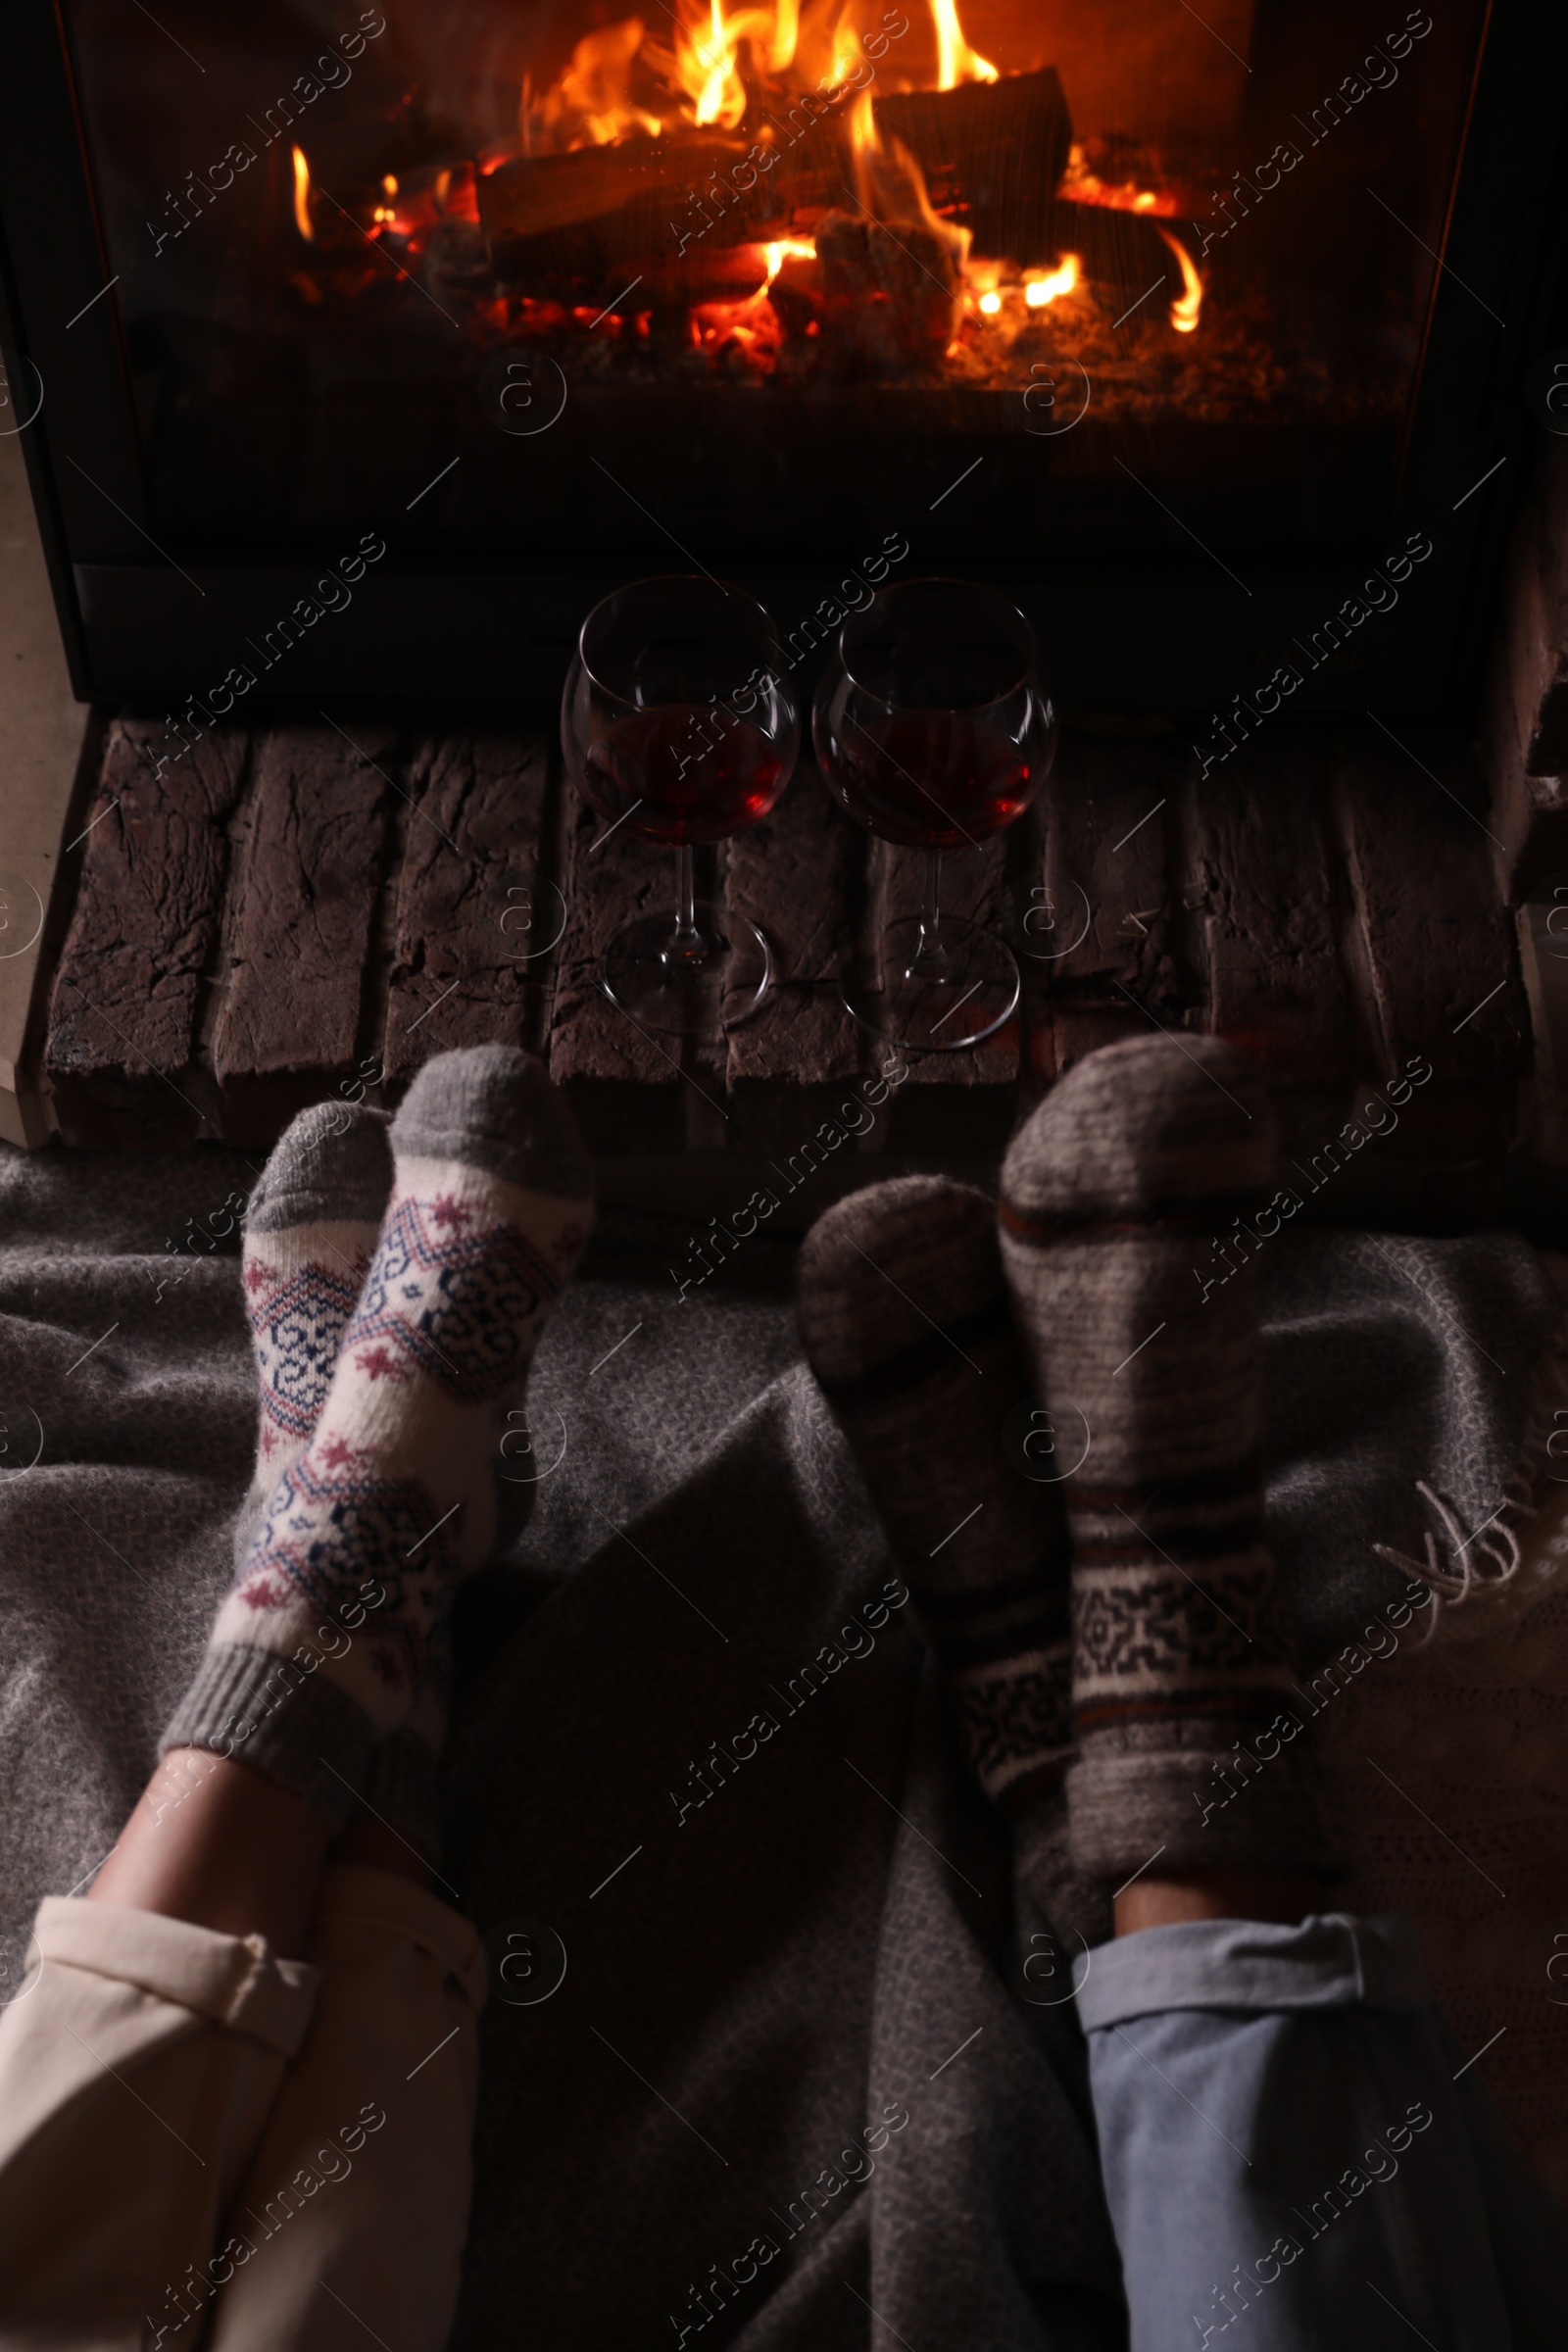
<point>1181,1661</point>
<point>904,1314</point>
<point>335,1635</point>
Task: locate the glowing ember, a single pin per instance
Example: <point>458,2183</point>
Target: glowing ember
<point>1187,305</point>
<point>991,303</point>
<point>302,197</point>
<point>1041,290</point>
<point>956,61</point>
<point>1118,196</point>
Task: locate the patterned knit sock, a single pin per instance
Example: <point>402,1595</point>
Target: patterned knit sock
<point>1181,1663</point>
<point>903,1315</point>
<point>335,1634</point>
<point>310,1230</point>
<point>310,1234</point>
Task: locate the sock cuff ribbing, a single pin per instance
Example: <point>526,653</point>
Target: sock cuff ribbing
<point>300,1730</point>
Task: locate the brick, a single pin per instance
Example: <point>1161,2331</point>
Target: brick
<point>298,934</point>
<point>1277,986</point>
<point>127,1003</point>
<point>471,901</point>
<point>622,1083</point>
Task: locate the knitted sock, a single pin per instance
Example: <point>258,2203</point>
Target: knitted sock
<point>903,1315</point>
<point>335,1633</point>
<point>1109,1197</point>
<point>311,1231</point>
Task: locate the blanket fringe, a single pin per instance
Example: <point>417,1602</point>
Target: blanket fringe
<point>1499,1540</point>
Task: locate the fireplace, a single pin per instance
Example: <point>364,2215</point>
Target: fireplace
<point>374,344</point>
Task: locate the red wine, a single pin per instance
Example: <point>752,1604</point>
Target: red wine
<point>683,772</point>
<point>936,780</point>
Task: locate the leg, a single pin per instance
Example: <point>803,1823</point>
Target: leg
<point>351,2222</point>
<point>1277,2104</point>
<point>136,2074</point>
<point>278,1739</point>
<point>904,1314</point>
<point>213,1842</point>
<point>1288,2154</point>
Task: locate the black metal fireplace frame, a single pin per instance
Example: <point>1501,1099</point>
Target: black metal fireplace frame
<point>144,624</point>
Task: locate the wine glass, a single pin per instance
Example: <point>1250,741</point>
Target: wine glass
<point>931,727</point>
<point>677,722</point>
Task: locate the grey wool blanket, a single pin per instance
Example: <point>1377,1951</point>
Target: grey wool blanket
<point>793,2071</point>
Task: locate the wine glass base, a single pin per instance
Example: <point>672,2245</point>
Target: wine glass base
<point>976,995</point>
<point>682,1000</point>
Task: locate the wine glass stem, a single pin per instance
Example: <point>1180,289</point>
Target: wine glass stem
<point>930,960</point>
<point>687,947</point>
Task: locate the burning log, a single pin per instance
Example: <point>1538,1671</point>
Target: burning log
<point>1116,248</point>
<point>891,297</point>
<point>996,150</point>
<point>580,217</point>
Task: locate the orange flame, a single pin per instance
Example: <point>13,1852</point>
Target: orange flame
<point>783,249</point>
<point>956,61</point>
<point>785,35</point>
<point>1119,196</point>
<point>864,137</point>
<point>1039,291</point>
<point>1189,301</point>
<point>892,185</point>
<point>707,61</point>
<point>302,197</point>
<point>592,99</point>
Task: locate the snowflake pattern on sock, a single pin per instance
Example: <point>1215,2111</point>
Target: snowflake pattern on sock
<point>297,1322</point>
<point>460,1308</point>
<point>338,1524</point>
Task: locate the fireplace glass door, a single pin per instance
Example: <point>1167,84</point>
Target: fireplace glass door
<point>702,279</point>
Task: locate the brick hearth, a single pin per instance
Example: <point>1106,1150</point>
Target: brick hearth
<point>290,914</point>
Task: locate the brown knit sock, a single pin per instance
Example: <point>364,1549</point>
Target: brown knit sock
<point>904,1314</point>
<point>1182,1665</point>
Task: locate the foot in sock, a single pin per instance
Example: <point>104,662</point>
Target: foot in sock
<point>311,1231</point>
<point>1181,1657</point>
<point>335,1635</point>
<point>903,1315</point>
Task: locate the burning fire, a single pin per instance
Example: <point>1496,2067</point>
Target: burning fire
<point>786,33</point>
<point>1189,301</point>
<point>890,184</point>
<point>863,278</point>
<point>593,91</point>
<point>1038,291</point>
<point>1085,186</point>
<point>708,60</point>
<point>592,103</point>
<point>302,197</point>
<point>799,249</point>
<point>956,61</point>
